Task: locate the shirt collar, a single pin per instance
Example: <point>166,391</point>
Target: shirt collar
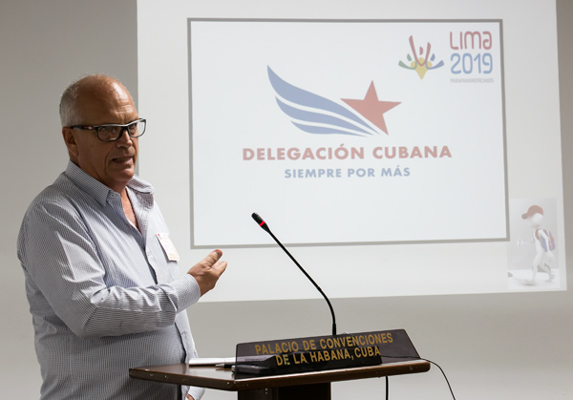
<point>98,190</point>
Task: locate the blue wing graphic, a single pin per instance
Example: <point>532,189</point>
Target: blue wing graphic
<point>316,114</point>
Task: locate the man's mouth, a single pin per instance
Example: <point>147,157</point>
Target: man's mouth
<point>121,159</point>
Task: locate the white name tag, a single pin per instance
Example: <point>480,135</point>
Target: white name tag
<point>168,247</point>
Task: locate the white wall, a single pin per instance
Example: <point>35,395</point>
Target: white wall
<point>499,346</point>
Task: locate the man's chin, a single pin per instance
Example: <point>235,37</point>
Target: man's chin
<point>122,176</point>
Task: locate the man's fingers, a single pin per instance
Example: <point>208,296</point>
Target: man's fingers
<point>221,266</point>
<point>208,271</point>
<point>213,257</point>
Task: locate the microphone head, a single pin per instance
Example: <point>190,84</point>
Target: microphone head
<point>261,222</point>
<point>257,218</point>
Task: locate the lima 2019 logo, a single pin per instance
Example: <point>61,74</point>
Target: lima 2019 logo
<point>420,62</point>
<point>316,114</point>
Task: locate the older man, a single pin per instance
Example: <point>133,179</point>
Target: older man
<point>102,277</point>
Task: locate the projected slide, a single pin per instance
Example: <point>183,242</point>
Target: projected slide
<point>367,130</point>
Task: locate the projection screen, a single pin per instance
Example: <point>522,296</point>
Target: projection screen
<point>395,152</point>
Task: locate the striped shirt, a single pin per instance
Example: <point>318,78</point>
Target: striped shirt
<point>103,296</point>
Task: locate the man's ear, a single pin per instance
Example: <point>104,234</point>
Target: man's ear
<point>71,144</point>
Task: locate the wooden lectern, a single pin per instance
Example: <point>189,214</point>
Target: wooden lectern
<point>314,385</point>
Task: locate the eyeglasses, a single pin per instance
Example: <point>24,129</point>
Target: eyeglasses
<point>112,132</point>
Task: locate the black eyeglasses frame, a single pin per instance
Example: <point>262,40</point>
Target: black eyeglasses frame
<point>123,127</point>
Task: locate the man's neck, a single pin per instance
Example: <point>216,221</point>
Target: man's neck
<point>128,208</point>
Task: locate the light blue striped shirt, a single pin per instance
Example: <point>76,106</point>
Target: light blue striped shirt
<point>103,296</point>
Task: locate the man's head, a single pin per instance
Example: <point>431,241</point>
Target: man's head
<point>92,101</point>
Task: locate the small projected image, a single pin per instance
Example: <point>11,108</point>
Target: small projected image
<point>532,250</point>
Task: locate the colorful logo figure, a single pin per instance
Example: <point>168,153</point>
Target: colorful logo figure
<point>315,114</point>
<point>421,63</point>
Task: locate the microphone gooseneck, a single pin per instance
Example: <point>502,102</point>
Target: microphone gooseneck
<point>264,225</point>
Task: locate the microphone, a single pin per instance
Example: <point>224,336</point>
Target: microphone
<point>264,225</point>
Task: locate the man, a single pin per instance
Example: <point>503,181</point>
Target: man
<point>102,278</point>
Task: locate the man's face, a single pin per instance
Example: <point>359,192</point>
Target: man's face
<point>111,163</point>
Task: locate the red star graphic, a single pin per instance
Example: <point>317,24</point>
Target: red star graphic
<point>371,108</point>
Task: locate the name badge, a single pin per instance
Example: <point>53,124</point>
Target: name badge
<point>168,247</point>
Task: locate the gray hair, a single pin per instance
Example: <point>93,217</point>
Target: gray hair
<point>69,113</point>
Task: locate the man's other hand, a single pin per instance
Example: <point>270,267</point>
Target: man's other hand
<point>208,271</point>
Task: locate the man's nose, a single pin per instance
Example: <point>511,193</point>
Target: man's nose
<point>124,138</point>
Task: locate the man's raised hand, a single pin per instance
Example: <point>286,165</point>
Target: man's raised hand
<point>208,271</point>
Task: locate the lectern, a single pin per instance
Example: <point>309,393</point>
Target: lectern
<point>299,369</point>
<point>313,385</point>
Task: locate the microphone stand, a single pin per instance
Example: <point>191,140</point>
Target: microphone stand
<point>264,225</point>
